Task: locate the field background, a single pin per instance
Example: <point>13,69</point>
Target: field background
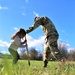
<point>36,68</point>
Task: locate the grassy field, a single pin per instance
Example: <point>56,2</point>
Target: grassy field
<point>36,68</point>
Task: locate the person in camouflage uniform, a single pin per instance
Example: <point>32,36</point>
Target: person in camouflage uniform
<point>51,37</point>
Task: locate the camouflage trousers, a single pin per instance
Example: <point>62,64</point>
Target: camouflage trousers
<point>51,49</point>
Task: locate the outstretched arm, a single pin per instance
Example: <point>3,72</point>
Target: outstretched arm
<point>31,28</point>
<point>36,24</point>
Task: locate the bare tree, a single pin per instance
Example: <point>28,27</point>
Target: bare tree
<point>33,54</point>
<point>63,47</point>
<point>72,55</point>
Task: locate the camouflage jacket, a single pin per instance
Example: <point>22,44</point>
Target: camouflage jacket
<point>46,25</point>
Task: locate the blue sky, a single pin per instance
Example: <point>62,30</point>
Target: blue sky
<point>17,14</point>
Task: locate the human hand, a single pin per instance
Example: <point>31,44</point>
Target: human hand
<point>26,45</point>
<point>25,41</point>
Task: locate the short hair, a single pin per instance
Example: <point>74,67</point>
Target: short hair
<point>35,18</point>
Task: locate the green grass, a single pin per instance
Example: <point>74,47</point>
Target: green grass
<point>36,68</point>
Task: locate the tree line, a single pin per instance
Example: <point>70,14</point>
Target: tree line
<point>35,55</point>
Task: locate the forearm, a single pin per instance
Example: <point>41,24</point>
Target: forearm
<point>32,27</point>
<point>22,45</point>
<point>29,30</point>
<point>24,42</point>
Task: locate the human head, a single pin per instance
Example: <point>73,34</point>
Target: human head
<point>21,33</point>
<point>36,18</point>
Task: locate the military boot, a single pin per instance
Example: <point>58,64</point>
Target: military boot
<point>45,63</point>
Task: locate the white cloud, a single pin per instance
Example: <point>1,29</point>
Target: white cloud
<point>39,43</point>
<point>31,42</point>
<point>26,1</point>
<point>15,28</point>
<point>63,31</point>
<point>63,44</point>
<point>35,42</point>
<point>4,43</point>
<point>3,8</point>
<point>23,14</point>
<point>36,14</point>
